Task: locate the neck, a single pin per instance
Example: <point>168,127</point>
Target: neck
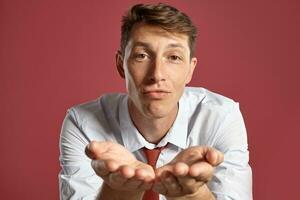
<point>153,129</point>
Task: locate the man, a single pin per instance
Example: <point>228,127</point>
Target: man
<point>201,135</point>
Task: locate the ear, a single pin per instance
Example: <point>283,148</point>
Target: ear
<point>193,64</point>
<point>119,64</point>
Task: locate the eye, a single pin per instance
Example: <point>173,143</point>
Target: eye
<point>140,56</point>
<point>174,58</point>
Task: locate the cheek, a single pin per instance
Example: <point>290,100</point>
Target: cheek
<point>178,77</point>
<point>138,71</point>
<point>134,77</point>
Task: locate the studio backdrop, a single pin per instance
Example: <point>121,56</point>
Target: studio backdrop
<point>58,53</point>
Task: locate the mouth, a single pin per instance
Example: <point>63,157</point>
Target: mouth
<point>156,94</point>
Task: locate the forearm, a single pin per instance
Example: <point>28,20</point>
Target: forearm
<point>107,193</point>
<point>202,194</point>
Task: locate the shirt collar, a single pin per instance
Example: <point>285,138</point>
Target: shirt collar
<point>177,135</point>
<point>134,141</point>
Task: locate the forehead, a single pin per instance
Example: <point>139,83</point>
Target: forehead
<point>155,36</point>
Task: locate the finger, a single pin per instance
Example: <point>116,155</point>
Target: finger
<point>133,183</point>
<point>180,169</point>
<point>214,157</point>
<point>160,173</point>
<point>94,149</point>
<point>189,184</point>
<point>99,167</point>
<point>191,155</point>
<point>145,175</point>
<point>139,179</point>
<point>201,171</point>
<point>116,179</point>
<point>172,185</point>
<point>161,170</point>
<point>159,188</point>
<point>130,179</point>
<point>103,168</point>
<point>89,153</point>
<point>127,172</point>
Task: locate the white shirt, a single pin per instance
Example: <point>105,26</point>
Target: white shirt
<point>204,118</point>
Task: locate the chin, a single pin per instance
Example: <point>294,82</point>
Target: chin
<point>157,115</point>
<point>160,111</point>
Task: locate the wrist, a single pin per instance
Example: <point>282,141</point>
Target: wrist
<point>108,193</point>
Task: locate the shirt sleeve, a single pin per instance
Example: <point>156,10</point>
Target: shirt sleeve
<point>77,179</point>
<point>232,179</point>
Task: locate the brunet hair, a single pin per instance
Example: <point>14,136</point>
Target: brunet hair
<point>162,15</point>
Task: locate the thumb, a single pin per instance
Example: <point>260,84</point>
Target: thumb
<point>95,149</point>
<point>214,157</point>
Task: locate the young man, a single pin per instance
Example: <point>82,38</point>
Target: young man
<point>201,135</point>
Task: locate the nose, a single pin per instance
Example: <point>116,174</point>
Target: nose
<point>157,71</point>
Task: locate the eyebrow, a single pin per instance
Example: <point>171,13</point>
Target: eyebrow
<point>148,46</point>
<point>143,44</point>
<point>175,45</point>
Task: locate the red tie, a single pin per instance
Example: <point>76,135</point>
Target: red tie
<point>152,156</point>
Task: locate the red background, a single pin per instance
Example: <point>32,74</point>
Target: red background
<point>54,54</point>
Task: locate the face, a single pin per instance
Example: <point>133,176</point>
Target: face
<point>156,66</point>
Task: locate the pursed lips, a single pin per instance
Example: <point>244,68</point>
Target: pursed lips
<point>156,94</point>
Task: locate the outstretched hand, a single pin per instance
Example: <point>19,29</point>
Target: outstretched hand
<point>184,175</point>
<point>119,168</point>
<point>187,172</point>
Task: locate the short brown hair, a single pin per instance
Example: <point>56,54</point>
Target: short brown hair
<point>162,15</point>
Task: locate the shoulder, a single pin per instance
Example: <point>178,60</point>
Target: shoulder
<point>215,120</point>
<point>198,96</point>
<point>104,106</point>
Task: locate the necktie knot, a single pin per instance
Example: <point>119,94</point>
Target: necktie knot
<point>152,155</point>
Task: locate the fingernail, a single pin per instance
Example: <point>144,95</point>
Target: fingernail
<point>88,146</point>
